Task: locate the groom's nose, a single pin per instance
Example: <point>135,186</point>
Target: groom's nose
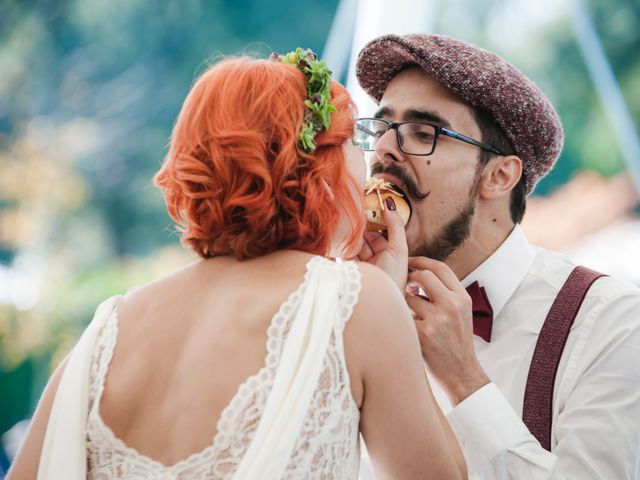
<point>387,149</point>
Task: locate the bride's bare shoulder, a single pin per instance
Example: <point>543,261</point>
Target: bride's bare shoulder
<point>381,309</point>
<point>160,290</point>
<point>379,293</point>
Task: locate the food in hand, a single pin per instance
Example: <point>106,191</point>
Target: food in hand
<point>376,192</point>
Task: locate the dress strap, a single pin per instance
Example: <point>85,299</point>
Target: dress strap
<point>296,377</point>
<point>64,452</point>
<point>101,358</point>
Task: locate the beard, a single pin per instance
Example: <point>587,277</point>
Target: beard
<point>453,234</point>
<point>451,237</point>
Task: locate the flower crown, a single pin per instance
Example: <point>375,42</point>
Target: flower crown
<point>317,104</point>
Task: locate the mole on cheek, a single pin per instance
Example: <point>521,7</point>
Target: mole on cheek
<point>428,162</point>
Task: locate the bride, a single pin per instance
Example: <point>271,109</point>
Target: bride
<point>269,356</point>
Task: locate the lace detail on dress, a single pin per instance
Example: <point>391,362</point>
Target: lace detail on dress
<point>328,443</point>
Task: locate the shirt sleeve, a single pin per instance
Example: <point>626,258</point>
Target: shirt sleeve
<point>597,429</point>
<point>494,439</point>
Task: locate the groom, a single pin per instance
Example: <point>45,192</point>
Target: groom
<point>538,374</point>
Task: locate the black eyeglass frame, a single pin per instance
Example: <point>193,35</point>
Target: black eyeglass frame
<point>439,131</point>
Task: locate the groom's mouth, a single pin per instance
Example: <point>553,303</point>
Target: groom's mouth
<point>397,176</point>
<point>396,182</point>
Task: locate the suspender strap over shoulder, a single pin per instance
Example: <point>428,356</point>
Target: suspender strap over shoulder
<point>538,396</point>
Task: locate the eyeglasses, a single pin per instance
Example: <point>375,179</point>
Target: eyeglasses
<point>414,138</point>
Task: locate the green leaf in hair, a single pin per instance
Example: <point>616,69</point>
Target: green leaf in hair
<point>317,103</point>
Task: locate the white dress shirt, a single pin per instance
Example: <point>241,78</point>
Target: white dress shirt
<point>596,400</point>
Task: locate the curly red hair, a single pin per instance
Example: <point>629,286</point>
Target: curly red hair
<point>235,179</point>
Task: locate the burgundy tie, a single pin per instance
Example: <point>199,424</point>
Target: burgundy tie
<point>482,311</point>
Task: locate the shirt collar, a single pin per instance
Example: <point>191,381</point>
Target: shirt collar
<point>502,272</point>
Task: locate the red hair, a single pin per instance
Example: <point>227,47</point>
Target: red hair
<point>235,179</point>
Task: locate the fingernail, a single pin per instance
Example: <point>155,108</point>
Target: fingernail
<point>391,205</point>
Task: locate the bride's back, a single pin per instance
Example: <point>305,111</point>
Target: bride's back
<point>184,345</point>
<point>249,199</point>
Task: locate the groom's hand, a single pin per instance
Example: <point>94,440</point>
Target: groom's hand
<point>391,254</point>
<point>444,322</point>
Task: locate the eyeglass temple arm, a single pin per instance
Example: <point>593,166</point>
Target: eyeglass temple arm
<point>365,130</point>
<point>464,138</point>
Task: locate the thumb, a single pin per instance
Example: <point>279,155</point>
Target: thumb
<point>396,236</point>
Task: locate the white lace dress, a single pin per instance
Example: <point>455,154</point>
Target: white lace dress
<point>326,448</point>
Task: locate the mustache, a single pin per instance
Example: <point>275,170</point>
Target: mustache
<point>410,186</point>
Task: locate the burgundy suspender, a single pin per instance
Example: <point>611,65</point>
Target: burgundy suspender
<point>538,395</point>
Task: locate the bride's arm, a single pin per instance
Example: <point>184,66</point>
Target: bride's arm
<point>407,435</point>
<point>25,465</point>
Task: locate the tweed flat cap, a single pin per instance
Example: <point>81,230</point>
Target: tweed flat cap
<point>481,78</point>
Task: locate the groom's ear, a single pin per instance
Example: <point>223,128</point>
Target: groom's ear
<point>500,176</point>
